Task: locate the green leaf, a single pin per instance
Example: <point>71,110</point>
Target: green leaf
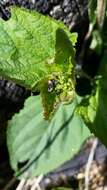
<point>36,50</point>
<point>44,145</point>
<point>104,32</point>
<point>101,116</point>
<point>96,43</point>
<point>92,11</point>
<point>93,109</point>
<point>62,188</point>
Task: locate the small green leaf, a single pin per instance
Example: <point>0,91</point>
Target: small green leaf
<point>44,145</point>
<point>96,43</point>
<point>93,109</point>
<point>35,49</point>
<point>92,11</point>
<point>62,188</point>
<point>104,32</point>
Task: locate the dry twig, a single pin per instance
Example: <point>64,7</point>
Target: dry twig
<point>89,162</point>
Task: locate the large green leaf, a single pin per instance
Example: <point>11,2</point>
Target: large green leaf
<point>37,52</point>
<point>44,145</point>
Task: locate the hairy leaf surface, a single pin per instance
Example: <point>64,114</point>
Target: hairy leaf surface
<point>36,50</point>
